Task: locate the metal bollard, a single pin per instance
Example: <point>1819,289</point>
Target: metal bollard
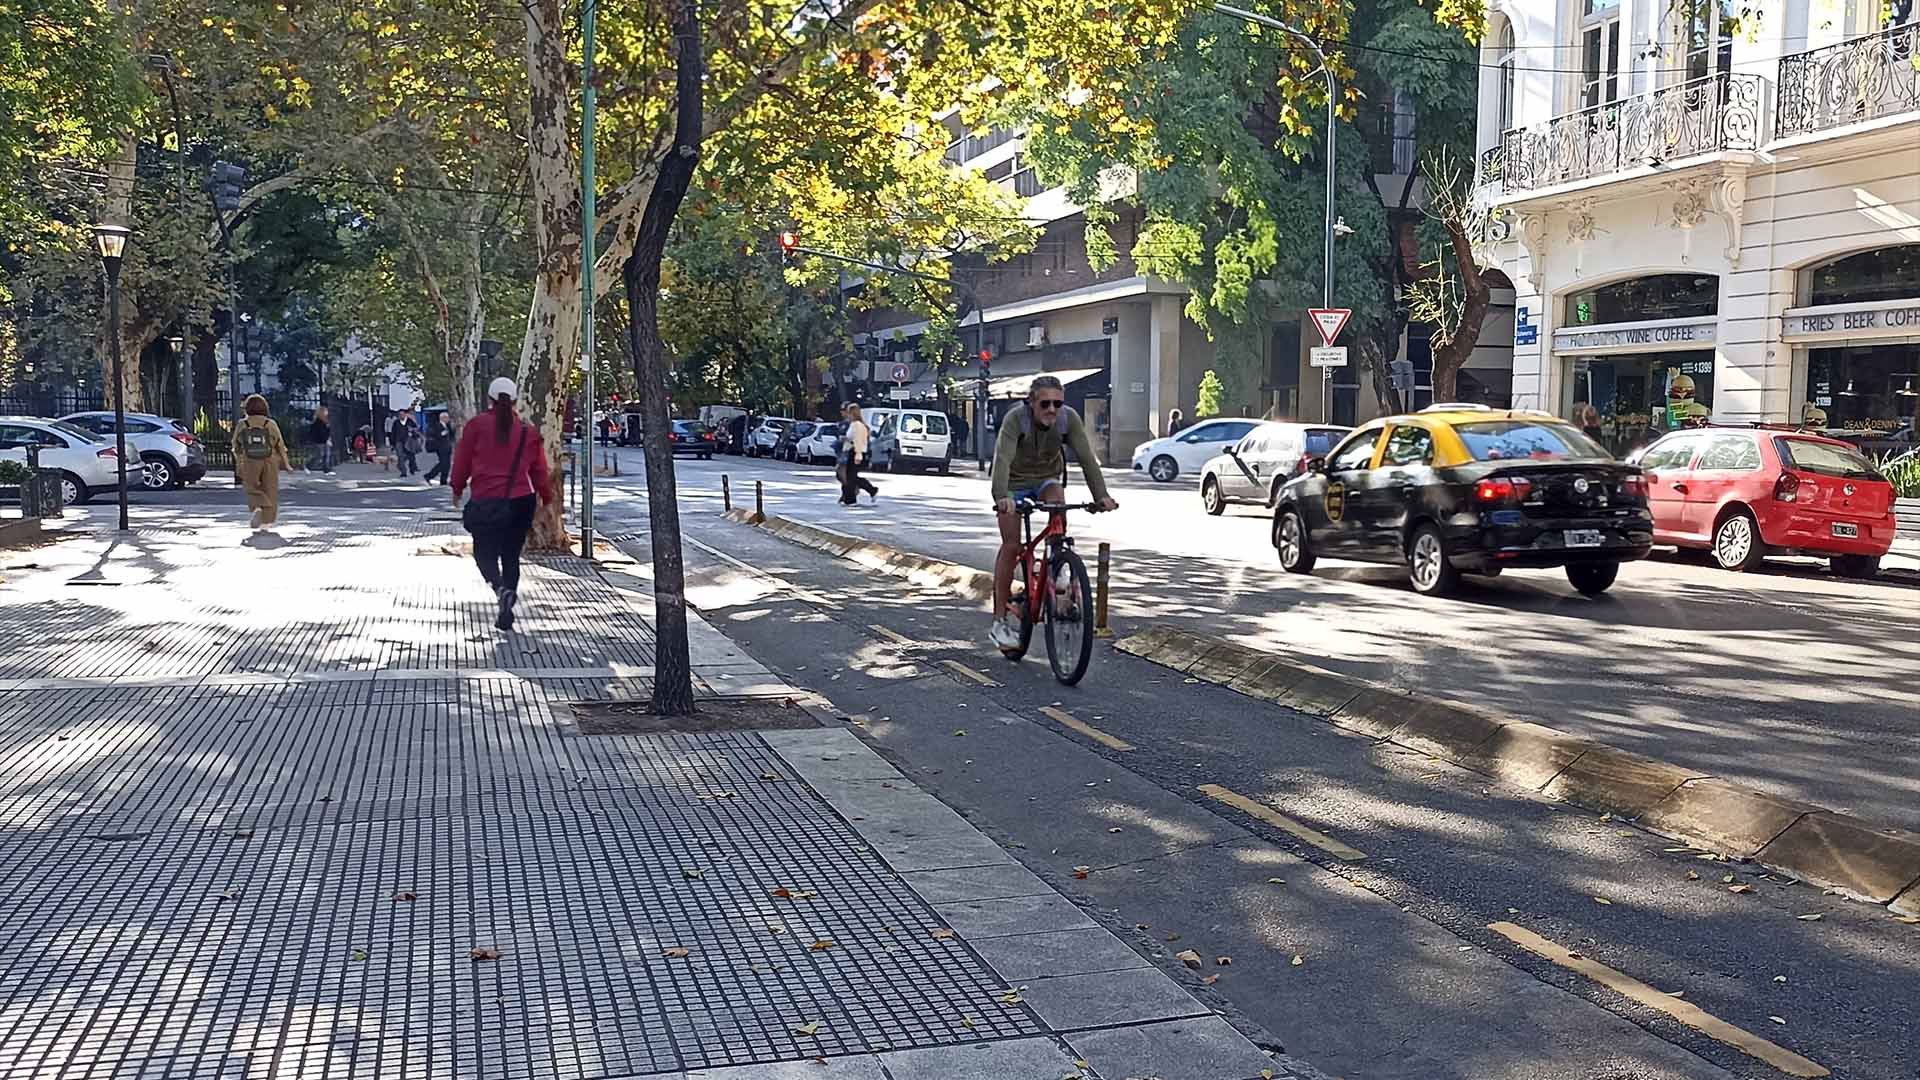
<point>726,493</point>
<point>759,503</point>
<point>1100,627</point>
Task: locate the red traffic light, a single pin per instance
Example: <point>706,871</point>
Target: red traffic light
<point>788,241</point>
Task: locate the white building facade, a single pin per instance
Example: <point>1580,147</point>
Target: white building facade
<point>1704,220</point>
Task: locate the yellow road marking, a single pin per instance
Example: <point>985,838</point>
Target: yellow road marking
<point>961,669</point>
<point>897,639</point>
<point>1284,823</point>
<point>1684,1011</point>
<point>1060,716</point>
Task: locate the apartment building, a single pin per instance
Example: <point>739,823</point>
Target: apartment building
<point>1708,220</point>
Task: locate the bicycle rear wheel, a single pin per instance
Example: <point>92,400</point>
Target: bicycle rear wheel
<point>1069,618</point>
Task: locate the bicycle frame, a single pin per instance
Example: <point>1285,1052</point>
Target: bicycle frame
<point>1055,538</point>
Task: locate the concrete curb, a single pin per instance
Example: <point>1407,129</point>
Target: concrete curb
<point>1805,841</point>
<point>1799,839</point>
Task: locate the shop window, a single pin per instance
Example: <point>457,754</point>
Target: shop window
<point>1871,390</point>
<point>1889,273</point>
<point>1626,402</point>
<point>1660,296</point>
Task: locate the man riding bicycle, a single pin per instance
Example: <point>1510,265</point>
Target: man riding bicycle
<point>1029,463</point>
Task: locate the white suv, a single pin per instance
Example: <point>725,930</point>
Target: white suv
<point>766,435</point>
<point>87,465</point>
<point>169,454</point>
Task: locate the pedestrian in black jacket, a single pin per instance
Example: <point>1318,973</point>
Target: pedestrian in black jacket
<point>320,439</point>
<point>404,436</point>
<point>440,445</point>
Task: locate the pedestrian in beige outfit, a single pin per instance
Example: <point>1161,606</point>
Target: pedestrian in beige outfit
<point>259,453</point>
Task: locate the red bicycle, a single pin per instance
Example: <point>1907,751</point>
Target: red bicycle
<point>1053,589</point>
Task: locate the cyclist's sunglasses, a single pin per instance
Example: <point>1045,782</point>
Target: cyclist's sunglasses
<point>1049,403</point>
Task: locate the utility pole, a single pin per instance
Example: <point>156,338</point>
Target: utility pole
<point>587,431</point>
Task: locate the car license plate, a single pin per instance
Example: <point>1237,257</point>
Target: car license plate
<point>1841,528</point>
<point>1585,538</point>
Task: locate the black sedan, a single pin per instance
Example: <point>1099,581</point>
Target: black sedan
<point>693,437</point>
<point>1467,490</point>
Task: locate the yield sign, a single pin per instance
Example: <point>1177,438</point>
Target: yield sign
<point>1330,321</point>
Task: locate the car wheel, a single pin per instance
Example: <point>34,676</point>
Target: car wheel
<point>1855,566</point>
<point>1592,579</point>
<point>72,491</point>
<point>1210,496</point>
<point>1428,567</point>
<point>1736,542</point>
<point>1163,469</point>
<point>160,473</point>
<point>1290,540</point>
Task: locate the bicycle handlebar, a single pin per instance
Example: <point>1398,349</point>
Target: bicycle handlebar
<point>1026,507</point>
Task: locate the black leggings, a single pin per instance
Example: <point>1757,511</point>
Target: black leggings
<point>498,550</point>
<point>852,483</point>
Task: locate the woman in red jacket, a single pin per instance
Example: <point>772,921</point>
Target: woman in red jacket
<point>504,459</point>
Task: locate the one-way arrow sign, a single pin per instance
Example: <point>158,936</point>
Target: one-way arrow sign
<point>1330,321</point>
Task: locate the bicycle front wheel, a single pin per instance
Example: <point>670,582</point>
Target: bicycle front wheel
<point>1069,618</point>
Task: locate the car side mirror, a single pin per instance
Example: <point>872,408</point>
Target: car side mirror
<point>1231,452</point>
<point>1313,465</point>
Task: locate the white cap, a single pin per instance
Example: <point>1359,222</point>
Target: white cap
<point>502,385</point>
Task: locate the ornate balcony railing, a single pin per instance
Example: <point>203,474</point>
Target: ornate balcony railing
<point>1493,166</point>
<point>1863,79</point>
<point>1719,112</point>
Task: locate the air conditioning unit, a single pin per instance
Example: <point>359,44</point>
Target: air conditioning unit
<point>1036,336</point>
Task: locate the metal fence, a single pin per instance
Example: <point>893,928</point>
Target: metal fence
<point>49,401</point>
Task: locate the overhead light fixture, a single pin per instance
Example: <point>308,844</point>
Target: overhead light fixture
<point>1849,391</point>
<point>1907,390</point>
<point>113,241</point>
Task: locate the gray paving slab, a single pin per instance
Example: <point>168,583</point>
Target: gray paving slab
<point>1073,1002</point>
<point>859,1067</point>
<point>1018,957</point>
<point>1202,1048</point>
<point>1017,1059</point>
<point>1013,915</point>
<point>821,755</point>
<point>977,883</point>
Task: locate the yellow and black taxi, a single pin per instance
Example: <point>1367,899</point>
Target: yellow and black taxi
<point>1467,489</point>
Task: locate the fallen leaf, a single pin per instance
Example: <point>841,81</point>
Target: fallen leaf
<point>1223,961</point>
<point>693,875</point>
<point>1606,816</point>
<point>1142,926</point>
<point>1276,881</point>
<point>1603,900</point>
<point>1081,1063</point>
<point>822,945</point>
<point>959,732</point>
<point>232,893</point>
<point>1266,1074</point>
<point>1781,1020</point>
<point>1814,917</point>
<point>966,1021</point>
<point>1116,828</point>
<point>674,953</point>
<point>359,954</point>
<point>1080,875</point>
<point>1189,958</point>
<point>942,934</point>
<point>403,895</point>
<point>1513,911</point>
<point>1742,888</point>
<point>1910,920</point>
<point>769,776</point>
<point>776,928</point>
<point>484,952</point>
<point>1209,979</point>
<point>809,1028</point>
<point>1779,978</point>
<point>1190,681</point>
<point>1693,875</point>
<point>1298,959</point>
<point>1011,997</point>
<point>1571,955</point>
<point>1728,879</point>
<point>1173,937</point>
<point>1623,832</point>
<point>1673,849</point>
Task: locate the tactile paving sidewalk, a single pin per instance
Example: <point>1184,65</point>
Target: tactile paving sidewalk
<point>225,876</point>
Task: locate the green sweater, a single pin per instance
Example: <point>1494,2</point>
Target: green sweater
<point>1026,455</point>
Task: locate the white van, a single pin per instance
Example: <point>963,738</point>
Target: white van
<point>914,439</point>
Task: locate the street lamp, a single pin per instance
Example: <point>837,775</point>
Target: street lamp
<point>178,342</point>
<point>113,246</point>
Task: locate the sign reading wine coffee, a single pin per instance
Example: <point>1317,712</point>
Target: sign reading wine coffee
<point>1887,318</point>
<point>1637,337</point>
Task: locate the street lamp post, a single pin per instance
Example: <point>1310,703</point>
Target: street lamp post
<point>113,246</point>
<point>178,343</point>
<point>1332,225</point>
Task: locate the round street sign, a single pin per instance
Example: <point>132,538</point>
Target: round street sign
<point>900,373</point>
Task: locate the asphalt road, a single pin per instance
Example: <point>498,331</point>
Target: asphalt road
<point>1787,679</point>
<point>1400,976</point>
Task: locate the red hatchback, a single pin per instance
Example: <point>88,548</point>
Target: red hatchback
<point>1748,493</point>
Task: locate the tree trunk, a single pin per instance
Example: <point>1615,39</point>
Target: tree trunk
<point>1376,358</point>
<point>1451,355</point>
<point>116,206</point>
<point>462,362</point>
<point>640,274</point>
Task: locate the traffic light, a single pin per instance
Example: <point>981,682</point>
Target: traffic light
<point>788,241</point>
<point>986,363</point>
<point>227,182</point>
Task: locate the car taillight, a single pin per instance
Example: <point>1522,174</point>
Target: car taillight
<point>1502,489</point>
<point>1787,488</point>
<point>108,452</point>
<point>183,438</point>
<point>1634,487</point>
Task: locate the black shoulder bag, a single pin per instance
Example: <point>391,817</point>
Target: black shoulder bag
<point>482,515</point>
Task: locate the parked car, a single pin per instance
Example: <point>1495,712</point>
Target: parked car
<point>914,439</point>
<point>799,429</point>
<point>1748,493</point>
<point>693,437</point>
<point>170,455</point>
<point>1189,451</point>
<point>88,465</point>
<point>766,435</point>
<point>1467,491</point>
<point>1253,469</point>
<point>821,446</point>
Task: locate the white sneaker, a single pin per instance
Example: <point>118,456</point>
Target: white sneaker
<point>1004,633</point>
<point>256,518</point>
